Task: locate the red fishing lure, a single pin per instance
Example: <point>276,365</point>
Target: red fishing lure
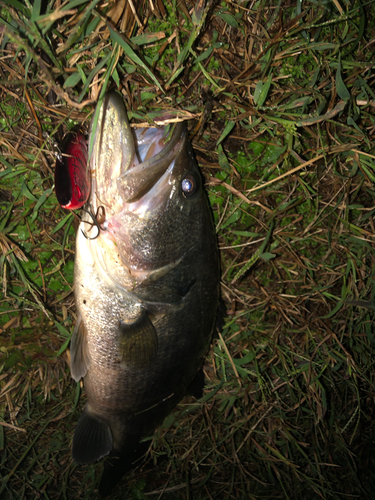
<point>72,182</point>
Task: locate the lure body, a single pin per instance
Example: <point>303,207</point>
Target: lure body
<point>72,182</point>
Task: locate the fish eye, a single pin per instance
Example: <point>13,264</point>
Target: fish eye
<point>189,186</point>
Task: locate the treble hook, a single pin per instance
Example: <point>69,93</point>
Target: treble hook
<point>98,219</point>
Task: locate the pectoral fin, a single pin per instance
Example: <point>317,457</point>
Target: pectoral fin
<point>92,439</point>
<point>79,351</point>
<point>138,342</point>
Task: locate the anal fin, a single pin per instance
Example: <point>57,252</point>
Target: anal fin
<point>92,439</point>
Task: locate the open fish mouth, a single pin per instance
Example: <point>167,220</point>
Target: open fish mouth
<point>126,164</point>
<point>152,158</point>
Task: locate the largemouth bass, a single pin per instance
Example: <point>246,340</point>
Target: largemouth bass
<point>146,282</point>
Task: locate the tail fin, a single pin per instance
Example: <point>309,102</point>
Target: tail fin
<point>92,439</point>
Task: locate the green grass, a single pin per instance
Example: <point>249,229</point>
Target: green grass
<point>280,99</point>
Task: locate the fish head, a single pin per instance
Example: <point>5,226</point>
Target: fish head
<point>150,188</point>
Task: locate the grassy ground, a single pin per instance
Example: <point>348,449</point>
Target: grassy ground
<point>280,101</point>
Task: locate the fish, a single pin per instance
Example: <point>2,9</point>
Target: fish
<point>146,284</point>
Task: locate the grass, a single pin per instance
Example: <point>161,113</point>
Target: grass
<point>280,101</point>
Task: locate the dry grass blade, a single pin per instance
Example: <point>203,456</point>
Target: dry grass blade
<point>8,246</point>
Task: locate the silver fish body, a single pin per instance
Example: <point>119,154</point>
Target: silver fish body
<point>146,287</point>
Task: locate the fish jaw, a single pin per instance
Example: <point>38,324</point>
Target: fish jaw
<point>113,153</point>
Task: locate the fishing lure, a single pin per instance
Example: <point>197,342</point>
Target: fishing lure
<point>72,183</point>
